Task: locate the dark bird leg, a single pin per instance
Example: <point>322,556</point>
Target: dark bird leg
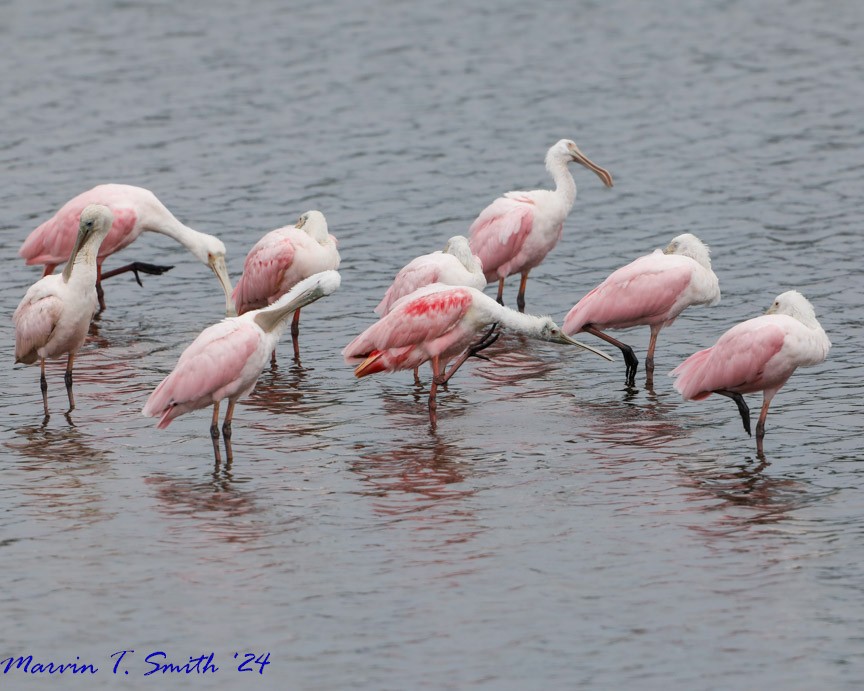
<point>649,358</point>
<point>742,408</point>
<point>630,358</point>
<point>760,425</point>
<point>500,297</point>
<point>226,432</point>
<point>417,381</point>
<point>488,339</point>
<point>273,364</point>
<point>43,384</point>
<point>214,432</point>
<point>433,390</point>
<point>135,268</point>
<point>520,296</point>
<point>295,333</point>
<point>99,292</point>
<point>68,379</point>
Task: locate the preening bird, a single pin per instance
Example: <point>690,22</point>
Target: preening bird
<point>135,210</point>
<point>224,361</point>
<point>515,232</point>
<point>54,317</point>
<point>759,354</point>
<point>652,291</point>
<point>454,266</point>
<point>436,324</point>
<point>282,258</point>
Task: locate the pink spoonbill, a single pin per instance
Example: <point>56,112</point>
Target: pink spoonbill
<point>651,290</point>
<point>759,354</point>
<point>281,259</point>
<point>54,317</point>
<point>135,210</point>
<point>515,232</point>
<point>435,324</point>
<point>224,361</point>
<point>454,266</point>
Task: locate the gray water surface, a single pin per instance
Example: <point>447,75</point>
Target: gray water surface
<point>556,531</point>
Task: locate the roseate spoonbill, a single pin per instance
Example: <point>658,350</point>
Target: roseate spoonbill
<point>454,266</point>
<point>759,354</point>
<point>436,323</point>
<point>55,314</point>
<point>515,232</point>
<point>652,290</point>
<point>135,210</point>
<point>224,361</point>
<point>282,258</point>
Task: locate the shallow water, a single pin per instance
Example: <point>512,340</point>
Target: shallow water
<point>556,530</point>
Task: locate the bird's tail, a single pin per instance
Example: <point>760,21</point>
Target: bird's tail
<point>690,376</point>
<point>371,365</point>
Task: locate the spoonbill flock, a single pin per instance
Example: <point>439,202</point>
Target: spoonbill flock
<point>435,311</point>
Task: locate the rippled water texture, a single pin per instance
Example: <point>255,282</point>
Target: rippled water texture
<point>556,531</point>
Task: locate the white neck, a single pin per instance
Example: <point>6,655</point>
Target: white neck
<point>167,224</point>
<point>517,321</point>
<point>82,267</point>
<point>565,185</point>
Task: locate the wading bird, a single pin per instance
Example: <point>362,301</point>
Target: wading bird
<point>281,259</point>
<point>135,210</point>
<point>437,323</point>
<point>759,354</point>
<point>515,232</point>
<point>224,361</point>
<point>54,317</point>
<point>454,266</point>
<point>652,291</point>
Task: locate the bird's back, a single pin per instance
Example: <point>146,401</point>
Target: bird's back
<point>53,240</point>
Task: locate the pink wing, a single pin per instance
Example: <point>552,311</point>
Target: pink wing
<point>264,271</point>
<point>413,322</point>
<point>499,233</point>
<point>735,363</point>
<point>209,370</point>
<point>419,272</point>
<point>52,242</point>
<point>643,292</point>
<point>35,320</point>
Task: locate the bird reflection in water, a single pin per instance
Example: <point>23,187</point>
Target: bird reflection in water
<point>413,479</point>
<point>61,466</point>
<point>219,509</point>
<point>744,494</point>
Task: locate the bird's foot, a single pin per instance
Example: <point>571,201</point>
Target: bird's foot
<point>138,268</point>
<point>488,339</point>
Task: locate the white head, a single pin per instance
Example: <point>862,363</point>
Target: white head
<point>545,329</point>
<point>565,151</point>
<point>458,246</point>
<point>795,305</point>
<point>689,245</point>
<point>210,250</point>
<point>93,226</point>
<point>315,225</point>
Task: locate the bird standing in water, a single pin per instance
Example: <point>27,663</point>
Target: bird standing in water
<point>135,210</point>
<point>454,266</point>
<point>224,361</point>
<point>652,290</point>
<point>54,317</point>
<point>515,232</point>
<point>436,324</point>
<point>281,259</point>
<point>759,354</point>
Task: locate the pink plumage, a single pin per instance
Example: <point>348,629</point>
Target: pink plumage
<point>455,266</point>
<point>652,291</point>
<point>135,210</point>
<point>759,354</point>
<point>515,232</point>
<point>214,366</point>
<point>280,260</point>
